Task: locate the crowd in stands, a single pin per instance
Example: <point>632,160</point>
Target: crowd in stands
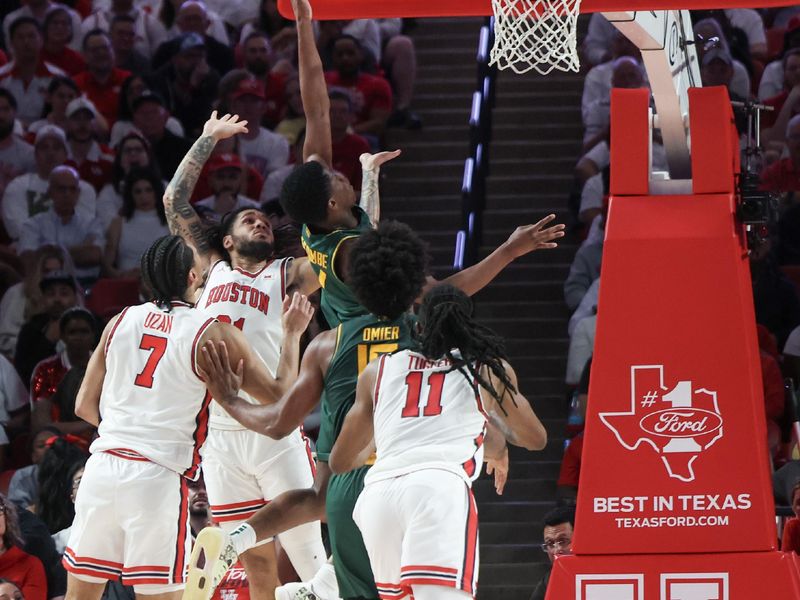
<point>99,102</point>
<point>756,55</point>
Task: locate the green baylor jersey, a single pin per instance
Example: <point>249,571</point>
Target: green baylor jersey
<point>338,301</point>
<point>358,341</point>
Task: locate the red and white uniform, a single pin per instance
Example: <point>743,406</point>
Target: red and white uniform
<point>244,470</point>
<point>416,513</point>
<point>131,511</point>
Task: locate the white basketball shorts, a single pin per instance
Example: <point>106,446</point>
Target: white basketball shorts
<point>420,529</point>
<point>131,524</point>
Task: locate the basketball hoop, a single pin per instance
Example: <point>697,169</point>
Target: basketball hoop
<point>538,35</point>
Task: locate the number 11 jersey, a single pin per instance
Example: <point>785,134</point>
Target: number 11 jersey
<point>153,404</point>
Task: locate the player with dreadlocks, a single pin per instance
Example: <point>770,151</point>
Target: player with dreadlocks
<point>144,381</point>
<point>427,409</point>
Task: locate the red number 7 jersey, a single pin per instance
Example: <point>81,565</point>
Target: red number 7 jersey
<point>426,417</point>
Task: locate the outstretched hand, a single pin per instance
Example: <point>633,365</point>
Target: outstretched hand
<point>528,238</point>
<point>302,10</point>
<point>297,313</point>
<point>499,467</point>
<point>370,162</point>
<point>221,128</point>
<point>221,380</point>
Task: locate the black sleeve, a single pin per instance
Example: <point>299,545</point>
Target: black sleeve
<point>39,544</point>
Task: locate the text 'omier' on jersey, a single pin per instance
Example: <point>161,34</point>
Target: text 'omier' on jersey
<point>426,417</point>
<point>153,405</point>
<point>253,303</point>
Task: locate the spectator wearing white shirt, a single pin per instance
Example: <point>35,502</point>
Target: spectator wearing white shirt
<point>176,24</point>
<point>596,48</point>
<point>26,195</point>
<point>61,225</point>
<point>225,176</point>
<point>148,30</point>
<point>581,348</point>
<point>751,23</point>
<point>38,9</point>
<point>262,149</point>
<point>27,76</point>
<point>13,399</point>
<point>597,84</point>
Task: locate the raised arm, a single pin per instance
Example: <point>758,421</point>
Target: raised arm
<point>181,217</point>
<point>515,418</point>
<point>273,420</point>
<point>370,171</point>
<point>525,239</point>
<point>313,89</point>
<point>355,440</point>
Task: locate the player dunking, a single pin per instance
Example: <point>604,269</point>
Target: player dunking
<point>246,285</point>
<point>144,391</point>
<point>427,410</point>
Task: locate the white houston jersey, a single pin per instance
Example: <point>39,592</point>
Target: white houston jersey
<point>153,403</point>
<point>252,302</point>
<point>426,417</point>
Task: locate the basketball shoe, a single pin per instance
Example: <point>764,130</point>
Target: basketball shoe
<point>213,554</point>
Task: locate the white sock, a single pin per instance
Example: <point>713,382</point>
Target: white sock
<point>304,547</point>
<point>243,538</point>
<point>324,582</point>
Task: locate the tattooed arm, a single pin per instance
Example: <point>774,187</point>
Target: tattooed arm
<point>370,170</point>
<point>181,217</point>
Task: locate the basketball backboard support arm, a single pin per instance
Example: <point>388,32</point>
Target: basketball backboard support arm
<point>665,40</point>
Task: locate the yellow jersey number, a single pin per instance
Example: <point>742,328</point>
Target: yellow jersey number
<point>369,352</point>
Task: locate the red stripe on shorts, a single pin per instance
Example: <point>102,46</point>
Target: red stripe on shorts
<point>183,528</point>
<point>470,546</point>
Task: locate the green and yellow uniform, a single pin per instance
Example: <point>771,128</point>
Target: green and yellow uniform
<point>338,301</point>
<point>358,341</point>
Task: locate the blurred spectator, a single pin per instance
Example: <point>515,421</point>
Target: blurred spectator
<point>790,540</point>
<point>234,14</point>
<point>399,61</point>
<point>559,524</point>
<point>597,83</point>
<point>199,512</point>
<point>133,87</point>
<point>92,161</point>
<point>23,300</point>
<point>261,148</point>
<point>626,72</point>
<point>38,11</point>
<point>772,79</point>
<point>79,334</point>
<point>735,39</point>
<point>347,147</point>
<point>570,470</point>
<point>188,84</point>
<point>273,184</point>
<point>74,477</point>
<point>269,20</point>
<point>252,182</point>
<point>372,96</point>
<point>27,76</point>
<point>132,151</point>
<point>122,32</point>
<point>581,347</point>
<point>28,195</point>
<point>148,32</point>
<point>23,490</point>
<point>16,156</point>
<point>55,484</point>
<point>38,543</point>
<point>775,297</point>
<point>150,117</point>
<point>39,335</point>
<point>784,174</point>
<point>101,80</point>
<point>64,401</point>
<point>584,270</point>
<point>194,17</point>
<point>61,225</point>
<point>716,68</point>
<point>10,591</point>
<point>791,356</point>
<point>140,223</point>
<point>749,21</point>
<point>785,104</point>
<point>596,48</point>
<point>774,399</point>
<point>586,308</point>
<point>15,564</point>
<point>228,85</point>
<point>13,405</point>
<point>60,92</point>
<point>58,34</point>
<point>225,176</point>
<point>256,53</point>
<point>710,35</point>
<point>294,118</point>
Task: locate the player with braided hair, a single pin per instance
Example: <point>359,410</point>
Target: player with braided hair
<point>145,381</point>
<point>425,412</point>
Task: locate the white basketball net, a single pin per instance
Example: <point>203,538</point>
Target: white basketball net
<point>535,34</point>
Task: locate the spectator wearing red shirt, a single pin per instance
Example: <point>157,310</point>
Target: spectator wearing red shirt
<point>256,53</point>
<point>372,95</point>
<point>28,75</point>
<point>93,161</point>
<point>101,81</point>
<point>790,540</point>
<point>57,30</point>
<point>347,147</point>
<point>784,175</point>
<point>24,570</point>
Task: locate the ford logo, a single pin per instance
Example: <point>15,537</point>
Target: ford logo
<point>681,422</point>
